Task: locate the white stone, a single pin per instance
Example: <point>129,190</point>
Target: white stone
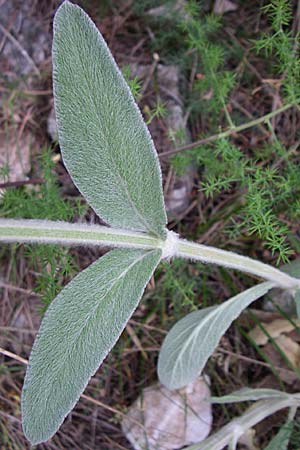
<point>169,420</point>
<point>224,6</point>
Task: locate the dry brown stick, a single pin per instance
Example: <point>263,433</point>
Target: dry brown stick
<point>20,48</point>
<point>28,92</point>
<point>249,115</point>
<point>255,361</point>
<point>10,184</point>
<point>17,330</point>
<point>150,74</point>
<point>18,289</point>
<point>227,133</point>
<point>13,356</point>
<point>136,341</point>
<point>110,408</point>
<point>24,122</point>
<point>85,397</point>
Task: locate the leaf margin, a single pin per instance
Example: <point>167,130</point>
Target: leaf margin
<point>36,436</point>
<point>166,372</point>
<point>68,10</point>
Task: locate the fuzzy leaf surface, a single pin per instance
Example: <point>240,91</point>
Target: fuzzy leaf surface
<point>281,440</point>
<point>79,329</point>
<point>105,143</point>
<point>249,394</point>
<point>192,340</point>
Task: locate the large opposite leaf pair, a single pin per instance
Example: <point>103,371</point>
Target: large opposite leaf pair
<point>109,153</point>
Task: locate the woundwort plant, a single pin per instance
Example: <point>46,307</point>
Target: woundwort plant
<point>108,151</point>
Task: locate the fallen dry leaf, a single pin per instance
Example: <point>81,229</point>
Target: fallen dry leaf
<point>274,329</point>
<point>281,367</point>
<point>290,348</point>
<point>277,330</point>
<point>15,155</point>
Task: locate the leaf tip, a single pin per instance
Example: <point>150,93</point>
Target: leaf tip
<point>34,436</point>
<point>65,8</point>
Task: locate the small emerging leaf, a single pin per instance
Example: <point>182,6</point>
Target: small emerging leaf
<point>79,329</point>
<point>192,340</point>
<point>105,143</point>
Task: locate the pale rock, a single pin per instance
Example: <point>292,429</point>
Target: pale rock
<point>273,330</point>
<point>282,298</point>
<point>290,349</point>
<point>51,125</point>
<point>27,43</point>
<point>161,419</point>
<point>176,10</point>
<point>177,198</point>
<point>224,6</point>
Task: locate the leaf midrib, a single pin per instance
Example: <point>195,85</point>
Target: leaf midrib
<point>112,162</point>
<point>193,336</point>
<point>112,286</point>
<point>61,366</point>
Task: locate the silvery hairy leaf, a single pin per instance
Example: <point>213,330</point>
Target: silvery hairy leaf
<point>79,329</point>
<point>192,340</point>
<point>229,434</point>
<point>105,143</point>
<point>249,394</point>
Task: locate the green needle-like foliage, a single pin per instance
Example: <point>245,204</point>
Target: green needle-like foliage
<point>44,202</point>
<point>224,166</point>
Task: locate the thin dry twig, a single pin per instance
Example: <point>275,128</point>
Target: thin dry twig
<point>227,133</point>
<point>10,184</point>
<point>85,397</point>
<point>20,48</point>
<point>13,356</point>
<point>18,289</point>
<point>28,92</point>
<point>136,340</point>
<point>255,361</point>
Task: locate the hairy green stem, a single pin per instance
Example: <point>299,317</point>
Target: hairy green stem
<point>191,250</point>
<point>40,231</point>
<point>226,133</point>
<point>48,232</point>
